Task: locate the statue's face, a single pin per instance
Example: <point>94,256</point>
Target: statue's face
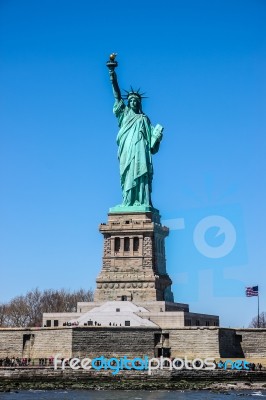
<point>133,103</point>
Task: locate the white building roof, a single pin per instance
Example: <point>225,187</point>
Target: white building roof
<point>114,313</point>
<point>126,306</point>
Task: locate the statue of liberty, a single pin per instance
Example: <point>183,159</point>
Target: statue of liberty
<point>137,141</point>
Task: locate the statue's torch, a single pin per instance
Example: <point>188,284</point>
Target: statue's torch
<point>111,63</point>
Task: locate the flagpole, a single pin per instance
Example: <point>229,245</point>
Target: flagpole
<point>258,308</point>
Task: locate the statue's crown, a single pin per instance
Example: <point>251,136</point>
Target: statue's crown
<point>133,93</point>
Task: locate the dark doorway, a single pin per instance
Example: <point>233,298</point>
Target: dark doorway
<point>163,352</point>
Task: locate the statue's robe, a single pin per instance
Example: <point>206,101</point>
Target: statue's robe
<point>137,140</point>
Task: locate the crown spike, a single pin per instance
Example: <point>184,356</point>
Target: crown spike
<point>133,92</point>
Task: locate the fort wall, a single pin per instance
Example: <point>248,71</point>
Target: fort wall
<point>112,341</point>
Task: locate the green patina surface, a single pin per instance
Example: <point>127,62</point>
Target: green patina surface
<point>128,209</point>
<point>137,141</point>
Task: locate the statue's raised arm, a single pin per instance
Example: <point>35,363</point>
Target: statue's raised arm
<point>112,64</point>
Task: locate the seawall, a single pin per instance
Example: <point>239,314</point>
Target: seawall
<point>48,378</point>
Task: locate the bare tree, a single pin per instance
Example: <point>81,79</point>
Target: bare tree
<point>27,310</point>
<point>33,301</point>
<point>259,324</point>
<point>54,300</point>
<point>3,316</point>
<point>80,295</point>
<point>17,312</point>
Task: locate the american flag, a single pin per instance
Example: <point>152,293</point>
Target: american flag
<point>252,291</point>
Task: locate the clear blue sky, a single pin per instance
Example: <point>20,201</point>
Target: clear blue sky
<point>202,64</point>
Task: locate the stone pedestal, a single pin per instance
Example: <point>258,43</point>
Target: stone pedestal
<point>134,266</point>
